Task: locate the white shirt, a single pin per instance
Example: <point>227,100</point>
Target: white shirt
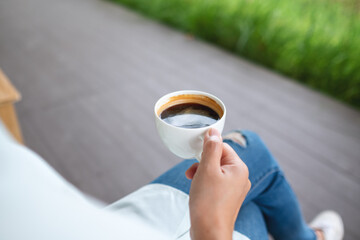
<point>37,203</point>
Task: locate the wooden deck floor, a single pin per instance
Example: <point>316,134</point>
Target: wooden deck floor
<point>90,72</point>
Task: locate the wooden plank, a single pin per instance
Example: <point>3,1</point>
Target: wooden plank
<point>8,92</point>
<point>8,96</point>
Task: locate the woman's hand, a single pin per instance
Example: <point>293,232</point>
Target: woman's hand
<point>219,187</point>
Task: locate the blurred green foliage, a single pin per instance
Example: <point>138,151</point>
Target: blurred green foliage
<point>316,42</point>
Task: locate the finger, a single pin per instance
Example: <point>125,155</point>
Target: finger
<point>191,171</point>
<point>231,161</point>
<point>229,156</point>
<point>212,149</point>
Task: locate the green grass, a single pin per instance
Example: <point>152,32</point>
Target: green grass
<point>316,42</point>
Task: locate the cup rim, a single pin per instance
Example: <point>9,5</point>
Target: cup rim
<point>194,92</point>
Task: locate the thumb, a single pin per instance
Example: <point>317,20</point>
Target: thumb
<point>212,149</point>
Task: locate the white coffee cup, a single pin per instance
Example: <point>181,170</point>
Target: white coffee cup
<point>187,142</point>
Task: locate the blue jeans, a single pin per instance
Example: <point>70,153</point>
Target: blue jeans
<point>270,206</point>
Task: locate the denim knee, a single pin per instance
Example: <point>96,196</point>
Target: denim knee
<point>252,137</point>
<point>256,151</point>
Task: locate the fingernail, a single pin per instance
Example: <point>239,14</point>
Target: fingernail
<point>214,134</point>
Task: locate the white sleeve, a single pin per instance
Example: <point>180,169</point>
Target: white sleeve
<point>37,203</point>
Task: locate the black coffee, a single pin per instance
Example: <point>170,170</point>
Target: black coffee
<point>189,115</point>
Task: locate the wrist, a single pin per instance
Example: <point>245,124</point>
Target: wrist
<point>211,229</point>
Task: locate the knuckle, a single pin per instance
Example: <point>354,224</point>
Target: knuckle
<point>244,170</point>
<point>248,185</point>
<point>243,177</point>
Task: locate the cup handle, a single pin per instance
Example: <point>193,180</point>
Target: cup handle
<point>202,145</point>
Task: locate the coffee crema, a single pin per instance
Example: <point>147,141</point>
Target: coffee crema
<point>190,111</point>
